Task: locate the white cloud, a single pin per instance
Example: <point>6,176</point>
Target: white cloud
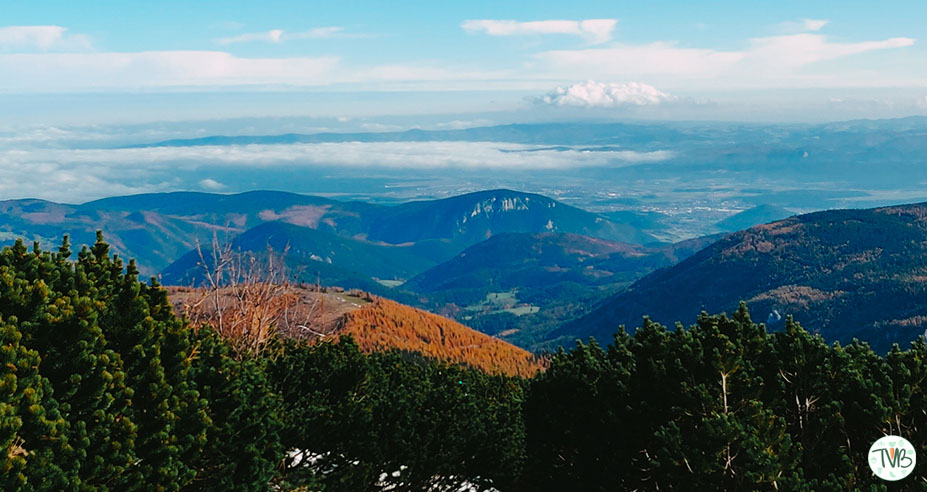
<point>595,31</point>
<point>211,184</point>
<point>273,36</point>
<point>82,71</point>
<point>785,60</point>
<point>814,24</point>
<point>802,25</point>
<point>316,33</point>
<point>41,38</point>
<point>594,94</point>
<point>798,50</point>
<point>766,62</point>
<point>74,175</point>
<point>628,61</point>
<point>279,35</point>
<point>63,72</point>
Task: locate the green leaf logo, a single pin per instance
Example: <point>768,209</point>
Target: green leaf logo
<point>892,458</point>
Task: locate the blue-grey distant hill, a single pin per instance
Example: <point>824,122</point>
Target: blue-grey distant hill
<point>760,214</point>
<point>593,134</point>
<point>157,229</point>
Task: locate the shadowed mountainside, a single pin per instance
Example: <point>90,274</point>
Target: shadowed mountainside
<point>844,273</point>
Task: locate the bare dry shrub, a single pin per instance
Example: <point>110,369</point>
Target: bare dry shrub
<point>249,298</point>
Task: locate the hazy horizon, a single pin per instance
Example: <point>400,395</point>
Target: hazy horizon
<point>721,100</point>
<point>65,64</point>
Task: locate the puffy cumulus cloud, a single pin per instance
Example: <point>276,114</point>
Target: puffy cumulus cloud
<point>41,38</point>
<point>211,185</point>
<point>593,30</point>
<point>594,94</point>
<point>279,35</point>
<point>76,175</point>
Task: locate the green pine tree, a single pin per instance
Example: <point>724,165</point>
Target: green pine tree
<point>58,310</point>
<point>33,435</point>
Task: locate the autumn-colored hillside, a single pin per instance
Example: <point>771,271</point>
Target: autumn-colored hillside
<point>384,324</point>
<point>315,314</point>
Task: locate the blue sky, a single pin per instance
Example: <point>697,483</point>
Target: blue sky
<point>673,60</point>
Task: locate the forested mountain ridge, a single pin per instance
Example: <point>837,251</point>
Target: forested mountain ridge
<point>520,286</point>
<point>511,260</point>
<point>158,228</point>
<point>843,273</point>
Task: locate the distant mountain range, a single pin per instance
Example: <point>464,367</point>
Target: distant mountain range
<point>844,273</point>
<point>157,229</point>
<point>529,269</point>
<point>783,140</point>
<point>596,135</point>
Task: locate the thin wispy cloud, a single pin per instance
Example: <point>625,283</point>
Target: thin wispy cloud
<point>41,38</point>
<point>272,36</point>
<point>595,31</point>
<point>631,60</point>
<point>802,25</point>
<point>767,61</point>
<point>279,35</point>
<point>153,69</point>
<point>28,54</point>
<point>798,50</point>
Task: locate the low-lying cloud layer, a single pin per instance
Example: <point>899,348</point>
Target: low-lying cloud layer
<point>81,175</point>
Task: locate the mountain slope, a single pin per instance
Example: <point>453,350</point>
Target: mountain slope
<point>317,255</point>
<point>472,217</point>
<point>512,260</point>
<point>376,324</point>
<point>844,273</point>
<point>158,228</point>
<point>760,214</point>
<point>384,324</point>
<point>521,286</point>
